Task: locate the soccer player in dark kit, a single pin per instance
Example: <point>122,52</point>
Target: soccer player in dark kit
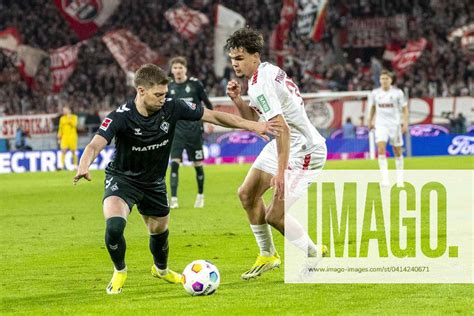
<point>143,129</point>
<point>188,134</point>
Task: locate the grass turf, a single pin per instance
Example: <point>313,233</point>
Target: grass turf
<point>53,260</point>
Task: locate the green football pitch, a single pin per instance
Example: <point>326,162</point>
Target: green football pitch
<point>53,260</point>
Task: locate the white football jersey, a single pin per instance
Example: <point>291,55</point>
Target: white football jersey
<point>388,106</point>
<point>272,93</point>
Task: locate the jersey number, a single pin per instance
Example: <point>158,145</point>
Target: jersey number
<point>292,87</point>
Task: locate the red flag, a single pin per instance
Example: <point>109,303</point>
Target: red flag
<point>186,21</point>
<point>86,16</point>
<point>26,58</point>
<point>318,27</point>
<point>227,21</point>
<point>10,39</point>
<point>310,19</point>
<point>408,56</point>
<point>280,33</point>
<point>63,63</point>
<point>129,51</point>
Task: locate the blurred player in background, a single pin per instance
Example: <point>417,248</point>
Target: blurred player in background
<point>386,104</point>
<point>299,146</point>
<point>67,135</point>
<point>143,129</point>
<point>188,133</point>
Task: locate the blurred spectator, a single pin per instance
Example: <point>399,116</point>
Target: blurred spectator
<point>442,70</point>
<point>460,124</point>
<point>20,140</point>
<point>92,121</point>
<point>348,129</point>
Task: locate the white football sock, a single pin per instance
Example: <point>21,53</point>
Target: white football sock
<point>306,245</point>
<point>296,234</point>
<point>399,167</point>
<point>263,235</point>
<point>383,165</point>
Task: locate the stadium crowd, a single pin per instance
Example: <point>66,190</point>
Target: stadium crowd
<point>99,83</point>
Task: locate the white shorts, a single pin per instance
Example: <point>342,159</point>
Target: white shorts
<point>392,134</point>
<point>267,160</point>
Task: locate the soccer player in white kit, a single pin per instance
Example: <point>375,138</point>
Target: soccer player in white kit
<point>298,146</point>
<point>386,105</point>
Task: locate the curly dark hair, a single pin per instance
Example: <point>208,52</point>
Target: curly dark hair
<point>247,38</point>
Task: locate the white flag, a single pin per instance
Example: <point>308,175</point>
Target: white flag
<point>227,22</point>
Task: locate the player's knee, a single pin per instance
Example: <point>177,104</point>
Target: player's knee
<point>273,219</point>
<point>158,228</point>
<point>245,196</point>
<point>115,226</point>
<point>381,150</point>
<point>197,163</point>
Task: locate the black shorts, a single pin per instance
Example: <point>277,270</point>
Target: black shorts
<point>192,144</point>
<point>151,200</point>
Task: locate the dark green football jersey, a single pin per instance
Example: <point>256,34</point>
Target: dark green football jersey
<point>192,90</point>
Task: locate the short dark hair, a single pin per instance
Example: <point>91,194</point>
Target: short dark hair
<point>385,72</point>
<point>149,75</point>
<point>179,60</point>
<point>247,38</point>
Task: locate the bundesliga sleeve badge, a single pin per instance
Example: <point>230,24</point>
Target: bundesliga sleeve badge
<point>105,124</point>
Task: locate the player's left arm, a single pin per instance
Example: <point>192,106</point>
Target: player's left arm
<point>203,96</point>
<point>234,121</point>
<point>283,149</point>
<point>404,104</point>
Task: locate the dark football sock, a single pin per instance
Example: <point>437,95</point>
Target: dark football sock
<point>200,179</point>
<point>115,241</point>
<point>174,178</point>
<point>159,249</point>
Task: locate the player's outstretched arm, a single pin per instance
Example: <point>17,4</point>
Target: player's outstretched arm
<point>234,121</point>
<point>91,152</point>
<point>371,117</point>
<point>233,91</point>
<point>405,119</point>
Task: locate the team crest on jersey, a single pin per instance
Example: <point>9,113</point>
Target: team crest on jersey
<point>165,126</point>
<point>105,124</point>
<point>187,89</point>
<point>263,103</point>
<point>138,131</point>
<point>191,105</point>
<point>172,91</point>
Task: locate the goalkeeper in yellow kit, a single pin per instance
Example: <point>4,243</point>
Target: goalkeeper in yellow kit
<point>67,135</point>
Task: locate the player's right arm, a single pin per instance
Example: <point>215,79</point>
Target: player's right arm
<point>111,125</point>
<point>371,105</point>
<point>60,128</point>
<point>233,91</point>
<point>91,152</point>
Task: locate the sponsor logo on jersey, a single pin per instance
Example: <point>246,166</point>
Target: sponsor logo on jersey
<point>386,105</point>
<point>105,124</point>
<point>191,105</point>
<point>263,103</point>
<point>150,147</point>
<point>165,126</point>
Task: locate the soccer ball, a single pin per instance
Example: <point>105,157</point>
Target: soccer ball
<point>201,277</point>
